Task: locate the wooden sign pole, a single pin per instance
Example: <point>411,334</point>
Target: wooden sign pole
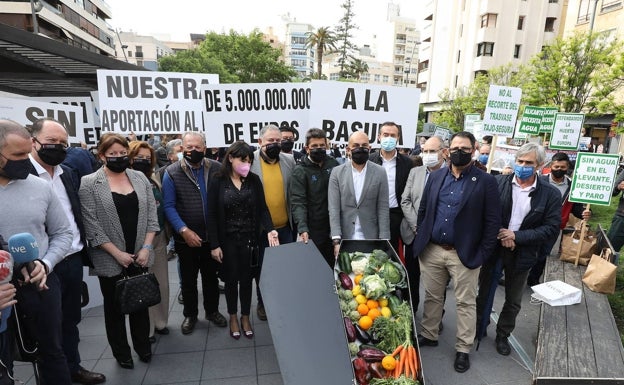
<point>492,152</point>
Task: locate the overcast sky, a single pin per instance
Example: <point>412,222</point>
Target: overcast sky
<point>179,18</point>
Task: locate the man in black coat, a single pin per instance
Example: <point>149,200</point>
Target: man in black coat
<point>397,167</point>
<point>531,215</point>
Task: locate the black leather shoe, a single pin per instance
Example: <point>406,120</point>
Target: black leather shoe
<point>188,325</point>
<point>217,318</point>
<point>180,299</point>
<point>152,339</point>
<point>502,345</point>
<point>146,357</point>
<point>83,376</point>
<point>462,362</point>
<point>164,331</point>
<point>261,313</point>
<point>422,341</point>
<point>126,364</point>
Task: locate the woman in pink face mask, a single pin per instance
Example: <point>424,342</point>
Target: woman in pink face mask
<point>237,213</point>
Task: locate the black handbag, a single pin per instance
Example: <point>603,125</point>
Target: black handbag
<point>138,292</point>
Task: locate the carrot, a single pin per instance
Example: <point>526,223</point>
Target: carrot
<point>397,350</point>
<point>406,366</point>
<point>397,369</point>
<point>415,361</point>
<point>402,362</point>
<point>411,365</point>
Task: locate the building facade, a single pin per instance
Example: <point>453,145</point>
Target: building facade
<point>80,23</point>
<point>296,53</point>
<point>461,39</point>
<point>141,50</point>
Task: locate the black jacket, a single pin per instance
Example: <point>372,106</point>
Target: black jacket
<point>577,208</point>
<point>540,224</point>
<point>403,166</point>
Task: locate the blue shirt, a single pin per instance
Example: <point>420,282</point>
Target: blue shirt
<point>169,196</point>
<point>449,198</point>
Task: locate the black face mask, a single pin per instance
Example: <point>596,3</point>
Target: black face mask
<point>16,169</point>
<point>558,173</point>
<point>460,158</point>
<point>359,155</point>
<point>193,156</point>
<point>287,145</point>
<point>52,154</point>
<point>143,165</point>
<point>117,164</point>
<point>272,150</point>
<point>318,155</point>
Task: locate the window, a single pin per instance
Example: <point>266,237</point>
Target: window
<point>335,76</point>
<point>550,24</point>
<point>377,78</point>
<point>584,11</point>
<point>129,53</point>
<point>298,62</point>
<point>298,40</point>
<point>423,65</point>
<point>458,55</point>
<point>422,86</point>
<point>386,78</point>
<point>480,73</point>
<point>365,78</point>
<point>517,51</point>
<point>455,81</point>
<point>520,23</point>
<point>610,5</point>
<point>488,20</point>
<point>140,63</point>
<point>553,1</point>
<point>485,49</point>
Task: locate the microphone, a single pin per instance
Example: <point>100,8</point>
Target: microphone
<point>6,273</point>
<point>24,249</point>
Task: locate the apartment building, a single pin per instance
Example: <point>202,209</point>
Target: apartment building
<point>379,72</point>
<point>79,23</point>
<point>296,53</point>
<point>461,39</point>
<point>142,50</point>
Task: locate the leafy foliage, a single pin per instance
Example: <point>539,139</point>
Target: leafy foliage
<point>324,39</point>
<point>237,58</point>
<point>343,36</point>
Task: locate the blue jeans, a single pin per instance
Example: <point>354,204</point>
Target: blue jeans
<point>285,235</point>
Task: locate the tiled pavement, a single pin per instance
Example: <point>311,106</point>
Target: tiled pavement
<point>210,357</point>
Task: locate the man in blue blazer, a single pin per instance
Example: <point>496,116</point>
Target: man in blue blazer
<point>458,220</point>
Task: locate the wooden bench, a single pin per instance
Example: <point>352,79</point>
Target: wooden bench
<point>578,344</point>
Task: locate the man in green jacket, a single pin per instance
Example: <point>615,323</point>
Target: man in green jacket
<point>308,193</point>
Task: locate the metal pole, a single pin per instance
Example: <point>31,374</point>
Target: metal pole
<point>34,17</point>
<point>123,47</point>
<point>593,17</point>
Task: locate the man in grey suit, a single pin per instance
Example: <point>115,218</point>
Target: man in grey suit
<point>274,169</point>
<point>358,196</point>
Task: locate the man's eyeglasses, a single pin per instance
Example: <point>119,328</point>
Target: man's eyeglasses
<point>466,150</point>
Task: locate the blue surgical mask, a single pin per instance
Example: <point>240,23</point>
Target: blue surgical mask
<point>524,172</point>
<point>180,155</point>
<point>483,158</point>
<point>388,143</point>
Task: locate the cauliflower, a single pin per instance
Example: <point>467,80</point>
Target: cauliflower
<point>354,315</point>
<point>374,286</point>
<point>358,264</point>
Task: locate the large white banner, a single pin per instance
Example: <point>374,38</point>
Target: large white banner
<point>239,111</point>
<point>90,131</point>
<point>341,108</point>
<point>146,102</point>
<point>27,111</point>
<point>501,110</point>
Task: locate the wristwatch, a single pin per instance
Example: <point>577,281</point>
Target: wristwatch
<point>149,247</point>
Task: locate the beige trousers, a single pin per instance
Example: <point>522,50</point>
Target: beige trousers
<point>159,314</point>
<point>436,265</point>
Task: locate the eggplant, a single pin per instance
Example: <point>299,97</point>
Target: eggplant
<point>374,338</point>
<point>351,332</point>
<point>362,335</point>
<point>376,370</point>
<point>345,281</point>
<point>362,375</point>
<point>371,354</point>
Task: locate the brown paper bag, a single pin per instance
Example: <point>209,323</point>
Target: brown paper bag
<point>570,244</point>
<point>600,275</point>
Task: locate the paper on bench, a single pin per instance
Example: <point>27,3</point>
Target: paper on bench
<point>556,293</point>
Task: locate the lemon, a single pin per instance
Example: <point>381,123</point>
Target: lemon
<point>360,299</point>
<point>357,289</point>
<point>385,311</point>
<point>383,302</point>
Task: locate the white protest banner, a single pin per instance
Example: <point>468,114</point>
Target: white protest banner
<point>594,175</point>
<point>584,143</point>
<point>477,129</point>
<point>96,107</point>
<point>27,111</point>
<point>341,108</point>
<point>89,134</point>
<point>531,120</point>
<point>501,110</point>
<point>239,111</point>
<point>567,131</point>
<point>548,119</point>
<point>145,102</point>
<point>442,132</point>
<point>469,120</point>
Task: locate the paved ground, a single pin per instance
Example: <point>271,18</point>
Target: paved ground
<point>210,356</point>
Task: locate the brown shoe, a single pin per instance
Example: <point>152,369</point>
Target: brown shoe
<point>83,376</point>
<point>217,318</point>
<point>261,313</point>
<point>188,325</point>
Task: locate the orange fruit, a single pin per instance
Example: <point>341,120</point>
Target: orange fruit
<point>372,304</point>
<point>358,278</point>
<point>362,309</point>
<point>365,322</point>
<point>374,313</point>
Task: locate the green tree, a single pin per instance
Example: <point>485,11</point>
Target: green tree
<point>323,40</point>
<point>237,58</point>
<point>344,34</point>
<point>357,68</point>
<point>579,73</point>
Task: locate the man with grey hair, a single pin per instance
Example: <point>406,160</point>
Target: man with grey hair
<point>531,215</point>
<point>184,186</point>
<point>274,169</point>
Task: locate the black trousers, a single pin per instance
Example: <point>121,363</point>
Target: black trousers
<point>237,272</point>
<point>69,272</point>
<point>413,275</point>
<point>194,260</point>
<point>396,216</point>
<point>115,322</point>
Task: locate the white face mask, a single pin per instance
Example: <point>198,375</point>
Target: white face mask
<point>430,160</point>
<point>180,155</point>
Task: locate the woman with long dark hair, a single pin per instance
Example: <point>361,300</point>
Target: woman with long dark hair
<point>237,213</point>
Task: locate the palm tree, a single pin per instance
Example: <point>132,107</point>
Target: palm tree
<point>358,67</point>
<point>323,39</point>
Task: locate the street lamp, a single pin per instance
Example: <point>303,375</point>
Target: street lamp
<point>409,66</point>
<point>35,7</point>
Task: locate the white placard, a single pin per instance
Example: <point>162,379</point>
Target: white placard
<point>145,102</point>
<point>594,176</point>
<point>469,120</point>
<point>566,131</point>
<point>341,108</point>
<point>89,135</point>
<point>239,111</point>
<point>501,110</point>
<point>27,111</point>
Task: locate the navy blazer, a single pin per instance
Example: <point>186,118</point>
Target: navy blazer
<point>478,219</point>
